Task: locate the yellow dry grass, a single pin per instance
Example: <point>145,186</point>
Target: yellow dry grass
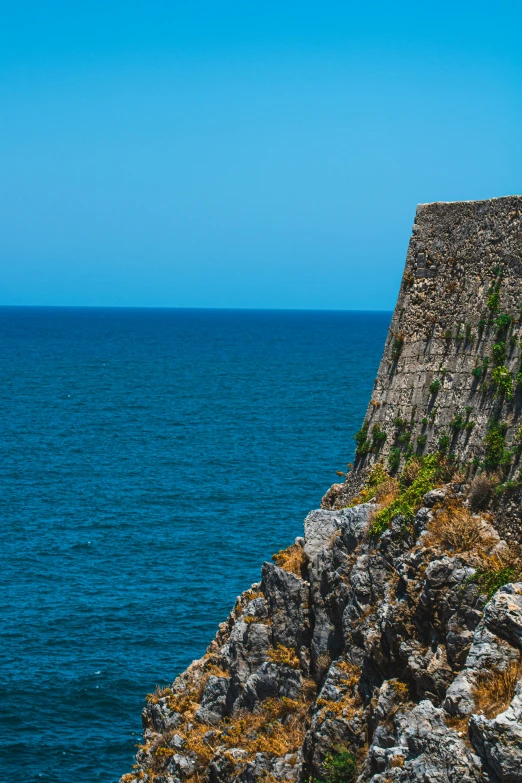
<point>455,529</point>
<point>292,559</point>
<point>410,471</point>
<point>277,728</point>
<point>284,655</point>
<point>495,689</point>
<point>387,492</point>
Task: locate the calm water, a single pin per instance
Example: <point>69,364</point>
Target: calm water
<point>150,461</point>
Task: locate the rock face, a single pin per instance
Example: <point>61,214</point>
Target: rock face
<point>437,375</point>
<point>376,648</point>
<point>385,649</point>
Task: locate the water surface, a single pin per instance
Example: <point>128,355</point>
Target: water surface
<point>150,460</point>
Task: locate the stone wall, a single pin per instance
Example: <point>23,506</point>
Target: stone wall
<point>463,274</point>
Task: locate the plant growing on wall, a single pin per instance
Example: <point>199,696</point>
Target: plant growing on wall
<point>394,459</point>
<point>397,345</point>
<point>378,438</point>
<point>361,438</point>
<point>499,353</point>
<point>503,382</point>
<point>434,386</point>
<point>496,454</point>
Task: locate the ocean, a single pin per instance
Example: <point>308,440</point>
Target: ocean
<point>150,461</point>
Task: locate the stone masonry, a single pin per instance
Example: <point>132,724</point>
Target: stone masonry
<point>463,272</point>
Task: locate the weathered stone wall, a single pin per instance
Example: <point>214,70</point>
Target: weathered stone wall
<point>463,271</point>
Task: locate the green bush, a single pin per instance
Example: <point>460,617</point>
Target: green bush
<point>444,443</point>
<point>340,767</point>
<point>499,353</point>
<point>421,440</point>
<point>481,326</point>
<point>496,454</point>
<point>493,302</point>
<point>394,459</point>
<point>503,323</point>
<point>410,498</point>
<point>503,382</point>
<point>397,346</point>
<point>361,438</point>
<point>435,386</point>
<point>378,438</point>
<point>457,423</point>
<point>489,580</point>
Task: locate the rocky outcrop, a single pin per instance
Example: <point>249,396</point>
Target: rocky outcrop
<point>375,651</point>
<point>386,643</point>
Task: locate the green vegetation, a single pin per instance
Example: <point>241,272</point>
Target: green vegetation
<point>361,438</point>
<point>424,421</point>
<point>378,438</point>
<point>397,345</point>
<point>444,443</point>
<point>340,767</point>
<point>448,334</point>
<point>503,323</point>
<point>434,386</point>
<point>394,459</point>
<point>503,382</point>
<point>457,423</point>
<point>493,302</point>
<point>421,440</point>
<point>481,326</point>
<point>480,371</point>
<point>404,437</point>
<point>499,353</point>
<point>496,454</point>
<point>410,498</point>
<point>469,336</point>
<point>490,579</point>
<point>365,444</point>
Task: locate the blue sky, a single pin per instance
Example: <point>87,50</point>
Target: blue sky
<point>243,155</point>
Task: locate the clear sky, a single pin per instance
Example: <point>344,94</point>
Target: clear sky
<point>244,154</point>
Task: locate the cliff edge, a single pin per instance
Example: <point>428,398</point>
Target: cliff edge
<point>386,643</point>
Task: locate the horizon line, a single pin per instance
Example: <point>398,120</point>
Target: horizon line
<point>213,309</point>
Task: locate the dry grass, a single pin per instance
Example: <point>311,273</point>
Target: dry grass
<point>323,663</point>
<point>284,655</point>
<point>495,689</point>
<point>292,559</point>
<point>347,678</point>
<point>277,728</point>
<point>455,529</point>
<point>159,693</point>
<point>458,723</point>
<point>387,492</point>
<point>410,471</point>
<point>480,491</point>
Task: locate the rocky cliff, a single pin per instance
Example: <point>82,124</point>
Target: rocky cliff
<point>386,644</point>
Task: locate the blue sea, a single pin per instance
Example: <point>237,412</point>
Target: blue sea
<point>150,460</point>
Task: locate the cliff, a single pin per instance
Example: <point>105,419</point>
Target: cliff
<point>386,644</point>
